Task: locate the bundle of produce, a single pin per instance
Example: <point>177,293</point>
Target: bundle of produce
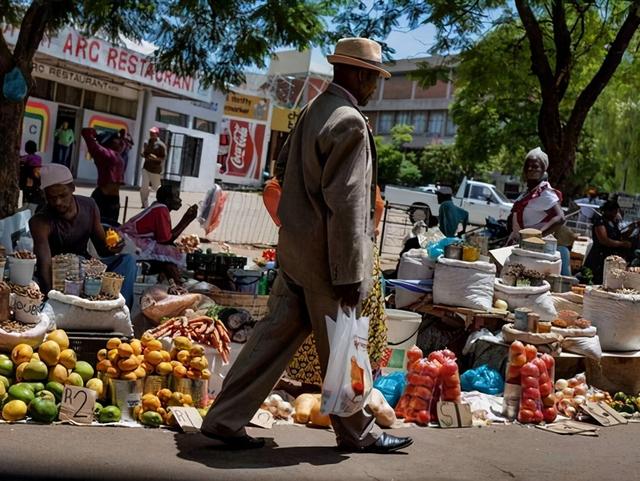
<point>189,360</point>
<point>201,329</point>
<point>571,394</point>
<point>155,408</point>
<point>623,403</point>
<point>278,407</point>
<point>188,244</point>
<point>307,411</point>
<point>134,360</point>
<point>537,401</point>
<point>571,319</point>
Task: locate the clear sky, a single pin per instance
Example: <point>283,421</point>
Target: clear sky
<point>411,44</point>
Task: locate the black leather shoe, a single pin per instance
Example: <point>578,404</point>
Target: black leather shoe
<point>236,443</point>
<point>385,444</point>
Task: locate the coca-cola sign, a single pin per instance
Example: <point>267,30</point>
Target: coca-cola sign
<point>244,158</point>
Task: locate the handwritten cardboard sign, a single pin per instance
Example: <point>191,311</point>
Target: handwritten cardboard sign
<point>454,415</point>
<point>188,418</point>
<point>77,405</point>
<point>603,414</point>
<point>262,419</point>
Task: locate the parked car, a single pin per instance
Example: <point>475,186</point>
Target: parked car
<point>480,199</point>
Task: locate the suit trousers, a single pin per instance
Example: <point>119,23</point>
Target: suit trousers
<point>294,312</point>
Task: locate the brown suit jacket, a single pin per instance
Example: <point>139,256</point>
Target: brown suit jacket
<point>328,195</point>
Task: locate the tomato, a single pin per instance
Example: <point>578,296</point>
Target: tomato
<point>423,417</point>
<point>549,361</point>
<point>531,393</point>
<point>516,348</point>
<point>519,360</point>
<point>437,356</point>
<point>546,389</point>
<point>539,364</point>
<point>418,404</point>
<point>423,392</point>
<point>544,377</point>
<point>525,416</point>
<point>432,370</point>
<point>549,414</point>
<point>531,352</point>
<point>549,401</point>
<point>451,381</point>
<point>401,407</point>
<point>449,368</point>
<point>513,375</point>
<point>530,369</point>
<point>415,379</point>
<point>451,394</point>
<point>528,404</point>
<point>414,354</point>
<point>530,381</point>
<point>449,354</point>
<point>538,417</point>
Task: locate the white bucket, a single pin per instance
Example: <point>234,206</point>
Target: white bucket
<point>402,335</point>
<point>21,270</point>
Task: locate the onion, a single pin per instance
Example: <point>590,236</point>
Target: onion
<point>571,412</point>
<point>599,396</point>
<point>581,378</point>
<point>559,395</point>
<point>580,390</point>
<point>568,392</point>
<point>561,384</point>
<point>573,382</point>
<point>579,400</point>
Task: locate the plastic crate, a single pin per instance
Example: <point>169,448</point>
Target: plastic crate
<point>87,344</point>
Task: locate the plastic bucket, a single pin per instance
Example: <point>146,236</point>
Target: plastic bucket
<point>402,335</point>
<point>245,281</point>
<point>21,270</point>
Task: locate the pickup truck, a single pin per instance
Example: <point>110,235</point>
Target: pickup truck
<point>481,200</point>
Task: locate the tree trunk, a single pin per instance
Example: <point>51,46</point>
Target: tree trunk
<point>11,120</point>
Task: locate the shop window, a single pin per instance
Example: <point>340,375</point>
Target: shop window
<point>204,125</point>
<point>96,101</point>
<point>183,154</point>
<point>419,122</point>
<point>65,94</point>
<point>403,118</point>
<point>451,127</point>
<point>123,107</point>
<point>385,123</point>
<point>43,89</point>
<point>173,118</point>
<point>436,123</point>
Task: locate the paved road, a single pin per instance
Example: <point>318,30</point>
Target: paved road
<point>298,453</point>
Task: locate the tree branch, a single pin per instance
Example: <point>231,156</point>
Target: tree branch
<point>32,29</point>
<point>539,60</point>
<point>562,40</point>
<point>612,60</point>
<point>6,57</point>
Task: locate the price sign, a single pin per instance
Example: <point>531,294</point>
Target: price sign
<point>263,419</point>
<point>454,415</point>
<point>77,405</point>
<point>188,418</point>
<point>604,414</point>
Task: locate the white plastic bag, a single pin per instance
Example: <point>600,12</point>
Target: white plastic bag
<point>348,382</point>
<point>616,318</point>
<point>538,299</point>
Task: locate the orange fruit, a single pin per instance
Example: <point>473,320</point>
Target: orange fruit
<point>153,357</point>
<point>125,350</point>
<point>113,343</point>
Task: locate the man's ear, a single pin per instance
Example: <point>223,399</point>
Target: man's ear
<point>72,187</point>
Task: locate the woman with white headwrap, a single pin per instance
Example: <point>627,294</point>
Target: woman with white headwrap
<point>539,207</point>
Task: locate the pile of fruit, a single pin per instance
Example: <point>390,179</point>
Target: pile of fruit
<point>154,410</point>
<point>188,360</point>
<point>135,359</point>
<point>32,382</point>
<point>624,403</point>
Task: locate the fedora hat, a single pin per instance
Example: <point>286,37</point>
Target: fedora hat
<point>359,52</point>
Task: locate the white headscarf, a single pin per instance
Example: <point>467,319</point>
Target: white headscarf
<point>538,154</point>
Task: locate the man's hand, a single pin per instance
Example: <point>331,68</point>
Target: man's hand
<point>349,294</point>
<point>190,214</point>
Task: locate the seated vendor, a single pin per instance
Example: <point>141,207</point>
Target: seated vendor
<point>66,224</point>
<point>151,233</point>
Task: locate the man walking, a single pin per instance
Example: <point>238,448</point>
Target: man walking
<point>324,250</point>
<point>154,153</point>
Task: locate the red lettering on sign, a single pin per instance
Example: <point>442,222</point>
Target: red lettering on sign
<point>81,47</point>
<point>133,64</point>
<point>111,57</point>
<point>68,45</point>
<point>167,77</point>
<point>159,77</point>
<point>176,82</point>
<point>122,63</point>
<point>149,70</point>
<point>187,83</point>
<point>94,50</point>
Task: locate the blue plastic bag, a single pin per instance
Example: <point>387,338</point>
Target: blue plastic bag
<point>14,87</point>
<point>436,249</point>
<point>483,379</point>
<point>392,386</point>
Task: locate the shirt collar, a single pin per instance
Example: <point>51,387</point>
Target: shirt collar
<point>350,96</point>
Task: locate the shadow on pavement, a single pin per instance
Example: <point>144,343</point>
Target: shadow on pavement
<point>195,447</point>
